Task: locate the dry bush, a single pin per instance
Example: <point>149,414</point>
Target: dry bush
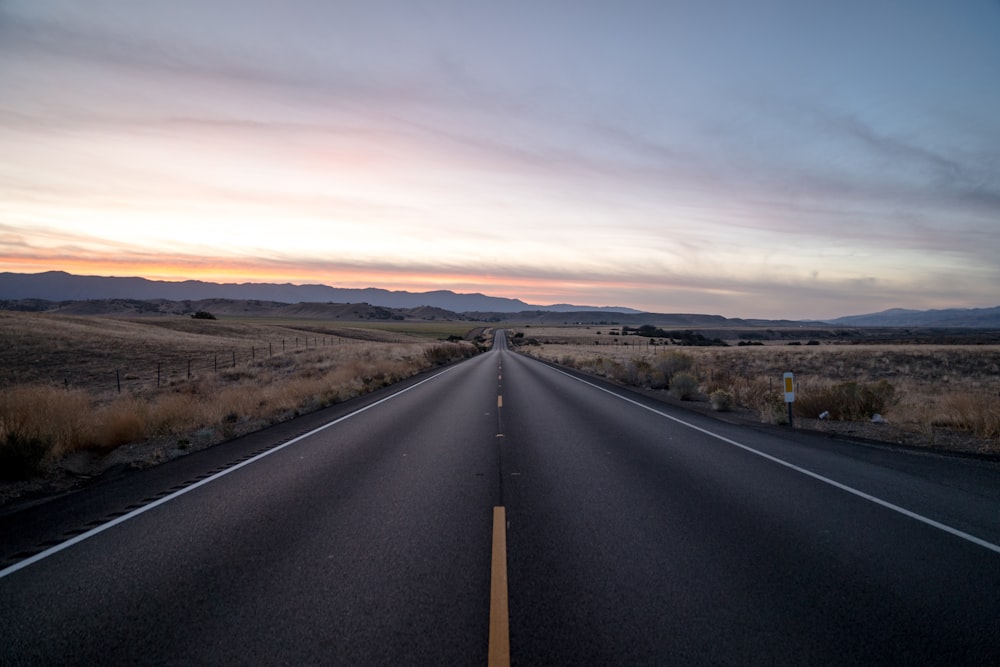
<point>848,401</point>
<point>975,413</point>
<point>37,425</point>
<point>635,372</point>
<point>672,362</point>
<point>722,400</point>
<point>683,386</point>
<point>613,368</point>
<point>53,415</point>
<point>120,422</point>
<point>22,457</point>
<point>447,352</point>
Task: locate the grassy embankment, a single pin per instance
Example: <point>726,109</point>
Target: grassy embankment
<point>95,383</point>
<point>918,388</point>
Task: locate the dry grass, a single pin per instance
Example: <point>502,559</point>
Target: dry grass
<point>194,382</point>
<point>917,387</point>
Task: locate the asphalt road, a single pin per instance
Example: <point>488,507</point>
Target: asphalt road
<point>634,533</point>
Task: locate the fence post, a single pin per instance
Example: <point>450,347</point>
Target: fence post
<point>118,379</point>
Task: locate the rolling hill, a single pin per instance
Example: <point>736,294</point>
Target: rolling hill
<point>964,318</point>
<point>61,286</point>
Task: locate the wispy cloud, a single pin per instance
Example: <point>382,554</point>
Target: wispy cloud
<point>425,145</point>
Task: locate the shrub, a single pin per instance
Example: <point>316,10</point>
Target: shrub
<point>609,368</point>
<point>683,386</point>
<point>22,457</point>
<point>977,413</point>
<point>119,423</point>
<point>773,409</point>
<point>849,401</point>
<point>447,352</point>
<point>657,380</point>
<point>722,400</point>
<point>54,416</point>
<point>635,372</point>
<point>673,362</point>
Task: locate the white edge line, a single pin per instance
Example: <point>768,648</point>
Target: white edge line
<point>20,565</point>
<point>826,480</point>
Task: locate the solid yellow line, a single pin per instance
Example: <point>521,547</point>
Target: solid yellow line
<point>499,613</point>
<point>500,401</point>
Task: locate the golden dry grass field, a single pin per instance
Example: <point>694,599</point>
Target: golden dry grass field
<point>92,384</point>
<point>929,394</point>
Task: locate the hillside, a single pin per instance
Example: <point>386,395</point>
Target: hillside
<point>349,312</point>
<point>61,286</point>
<point>965,318</point>
<point>253,308</point>
<point>57,291</point>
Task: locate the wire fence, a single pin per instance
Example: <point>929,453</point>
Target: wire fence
<point>142,374</point>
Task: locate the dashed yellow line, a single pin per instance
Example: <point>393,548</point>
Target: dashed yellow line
<point>499,651</point>
<point>500,401</point>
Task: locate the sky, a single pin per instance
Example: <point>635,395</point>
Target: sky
<point>775,159</point>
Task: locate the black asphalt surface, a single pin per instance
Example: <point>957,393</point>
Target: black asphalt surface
<point>632,538</point>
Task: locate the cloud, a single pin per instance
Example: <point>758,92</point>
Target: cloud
<point>665,168</point>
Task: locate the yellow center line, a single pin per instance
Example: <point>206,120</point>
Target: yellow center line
<point>500,401</point>
<point>499,613</point>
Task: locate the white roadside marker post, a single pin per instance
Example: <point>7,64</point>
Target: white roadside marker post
<point>789,379</point>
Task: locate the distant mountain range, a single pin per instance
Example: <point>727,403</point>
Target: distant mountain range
<point>59,286</point>
<point>62,286</point>
<point>965,318</point>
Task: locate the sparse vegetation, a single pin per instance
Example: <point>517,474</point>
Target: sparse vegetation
<point>920,389</point>
<point>22,457</point>
<point>60,377</point>
<point>683,387</point>
<point>722,400</point>
<point>850,401</point>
